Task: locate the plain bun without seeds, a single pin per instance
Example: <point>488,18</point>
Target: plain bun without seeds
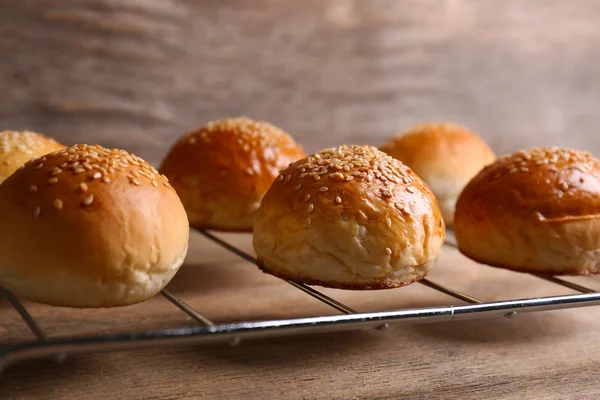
<point>349,217</point>
<point>222,170</point>
<point>534,211</point>
<point>89,227</point>
<point>445,155</point>
<point>18,147</point>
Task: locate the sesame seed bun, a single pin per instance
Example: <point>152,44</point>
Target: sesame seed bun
<point>89,227</point>
<point>222,170</point>
<point>16,148</point>
<point>534,211</point>
<point>350,217</point>
<point>446,156</point>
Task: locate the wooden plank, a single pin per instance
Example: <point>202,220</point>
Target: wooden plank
<point>533,356</point>
<point>137,74</point>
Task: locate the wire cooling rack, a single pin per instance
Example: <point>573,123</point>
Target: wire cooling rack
<point>349,319</point>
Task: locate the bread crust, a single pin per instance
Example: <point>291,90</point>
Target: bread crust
<point>349,217</point>
<point>445,155</point>
<point>222,170</point>
<point>334,284</point>
<point>89,227</point>
<point>534,211</point>
<point>18,147</point>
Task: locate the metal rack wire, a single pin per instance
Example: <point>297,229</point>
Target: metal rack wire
<point>208,332</point>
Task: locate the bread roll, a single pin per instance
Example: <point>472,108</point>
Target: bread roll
<point>350,217</point>
<point>446,156</point>
<point>89,227</point>
<point>16,148</point>
<point>534,211</point>
<point>222,170</point>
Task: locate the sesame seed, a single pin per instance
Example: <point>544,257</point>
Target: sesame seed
<point>37,211</point>
<point>317,177</point>
<point>309,220</point>
<point>301,175</point>
<point>288,178</point>
<point>249,171</point>
<point>279,178</point>
<point>58,204</point>
<point>388,251</point>
<point>83,186</point>
<point>524,169</point>
<point>154,183</point>
<point>166,184</point>
<point>560,194</point>
<point>53,180</point>
<point>564,186</point>
<point>323,189</point>
<point>56,171</point>
<point>388,222</point>
<point>136,182</point>
<point>362,214</point>
<point>96,175</point>
<point>298,186</point>
<point>87,200</point>
<point>306,198</point>
<point>338,199</point>
<point>105,179</point>
<point>311,207</point>
<point>33,188</point>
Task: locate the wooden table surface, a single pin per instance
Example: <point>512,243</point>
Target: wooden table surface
<point>551,354</point>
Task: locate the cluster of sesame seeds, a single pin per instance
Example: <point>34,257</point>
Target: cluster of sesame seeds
<point>347,164</point>
<point>249,133</point>
<point>24,142</point>
<point>552,159</point>
<point>92,165</point>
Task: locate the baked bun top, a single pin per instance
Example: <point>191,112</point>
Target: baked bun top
<point>222,170</point>
<point>89,227</point>
<point>547,183</point>
<point>349,217</point>
<point>16,148</point>
<point>445,155</point>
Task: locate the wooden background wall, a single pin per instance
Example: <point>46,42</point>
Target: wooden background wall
<point>138,73</point>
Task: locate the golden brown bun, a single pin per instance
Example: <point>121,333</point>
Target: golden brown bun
<point>351,218</point>
<point>222,171</point>
<point>534,211</point>
<point>89,227</point>
<point>446,156</point>
<point>16,148</point>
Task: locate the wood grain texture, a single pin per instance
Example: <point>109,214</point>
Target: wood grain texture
<point>544,355</point>
<point>137,74</point>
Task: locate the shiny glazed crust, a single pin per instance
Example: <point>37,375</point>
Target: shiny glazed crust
<point>446,156</point>
<point>534,211</point>
<point>349,217</point>
<point>222,170</point>
<point>16,148</point>
<point>89,227</point>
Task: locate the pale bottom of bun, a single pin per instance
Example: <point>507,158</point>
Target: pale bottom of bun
<point>226,216</point>
<point>447,208</point>
<point>60,289</point>
<point>536,271</point>
<point>358,283</point>
<point>545,247</point>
